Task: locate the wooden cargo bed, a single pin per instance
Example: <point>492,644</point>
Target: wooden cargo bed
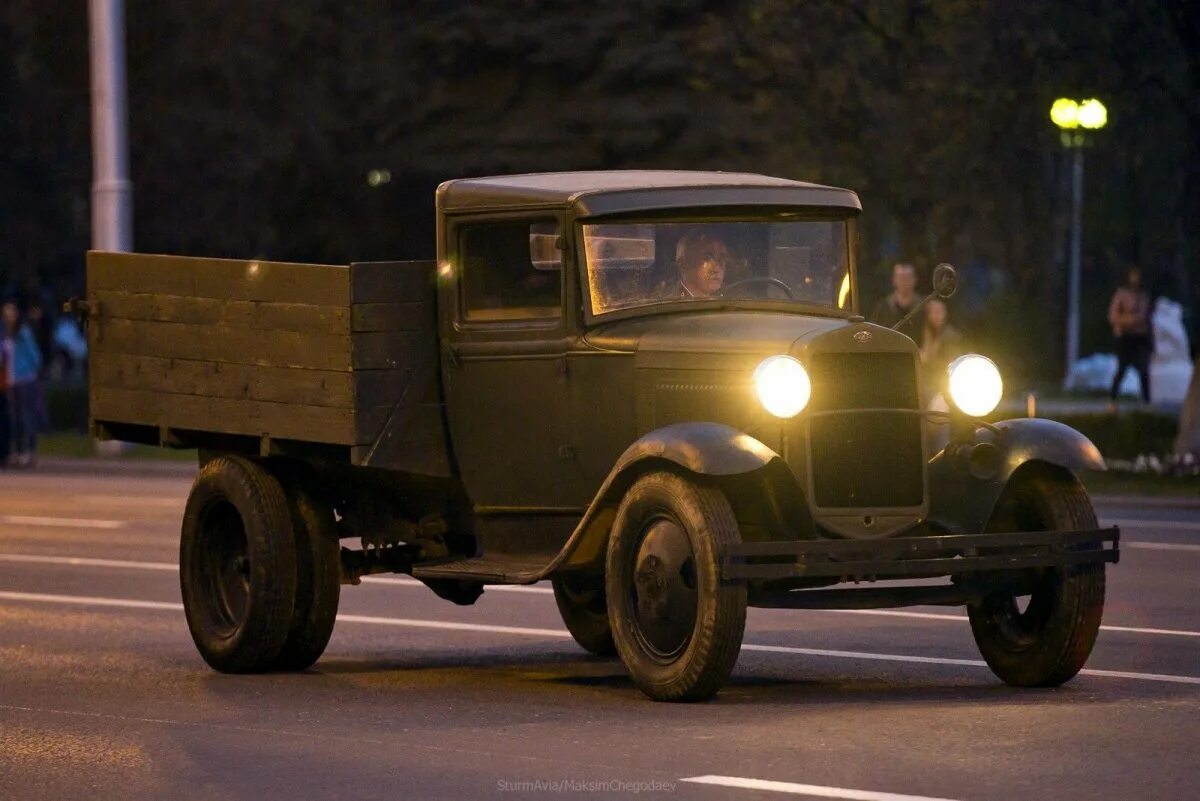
<point>311,359</point>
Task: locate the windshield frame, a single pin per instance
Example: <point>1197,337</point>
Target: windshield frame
<point>724,215</point>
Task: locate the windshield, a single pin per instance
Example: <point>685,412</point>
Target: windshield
<point>639,264</point>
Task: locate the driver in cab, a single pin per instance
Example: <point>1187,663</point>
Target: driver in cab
<point>701,258</point>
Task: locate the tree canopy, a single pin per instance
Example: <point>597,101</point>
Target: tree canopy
<point>254,126</point>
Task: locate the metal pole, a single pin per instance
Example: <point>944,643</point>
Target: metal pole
<point>1076,257</point>
<point>112,218</point>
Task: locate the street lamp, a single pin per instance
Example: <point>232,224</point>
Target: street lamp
<point>1074,119</point>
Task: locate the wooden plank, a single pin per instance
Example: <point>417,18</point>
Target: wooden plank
<point>223,380</point>
<point>388,350</point>
<point>226,279</point>
<point>366,317</point>
<point>220,343</point>
<point>392,281</point>
<point>380,387</point>
<point>255,315</point>
<point>224,415</point>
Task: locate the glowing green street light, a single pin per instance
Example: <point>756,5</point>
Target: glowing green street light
<point>1071,116</point>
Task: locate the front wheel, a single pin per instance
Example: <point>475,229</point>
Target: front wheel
<point>677,627</point>
<point>1048,640</point>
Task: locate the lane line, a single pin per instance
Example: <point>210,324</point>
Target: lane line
<point>88,600</point>
<point>82,561</point>
<point>812,790</point>
<point>1145,525</point>
<point>59,522</point>
<point>404,581</point>
<point>84,600</point>
<point>1161,546</point>
<point>132,500</point>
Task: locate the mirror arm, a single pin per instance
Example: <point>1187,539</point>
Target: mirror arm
<point>914,311</point>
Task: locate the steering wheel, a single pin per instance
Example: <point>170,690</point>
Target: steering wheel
<point>759,279</point>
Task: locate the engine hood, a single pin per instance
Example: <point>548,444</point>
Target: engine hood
<point>717,340</point>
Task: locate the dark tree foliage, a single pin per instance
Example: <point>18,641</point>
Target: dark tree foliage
<point>255,125</point>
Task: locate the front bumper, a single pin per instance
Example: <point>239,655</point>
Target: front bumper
<point>913,557</point>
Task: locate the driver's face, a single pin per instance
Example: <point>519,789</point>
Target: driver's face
<point>703,271</point>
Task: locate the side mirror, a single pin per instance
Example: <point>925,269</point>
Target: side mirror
<point>945,280</point>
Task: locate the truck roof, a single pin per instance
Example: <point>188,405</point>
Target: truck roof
<point>602,192</point>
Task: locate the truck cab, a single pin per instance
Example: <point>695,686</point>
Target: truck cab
<point>652,388</point>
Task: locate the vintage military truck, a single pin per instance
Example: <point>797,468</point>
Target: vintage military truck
<point>653,389</point>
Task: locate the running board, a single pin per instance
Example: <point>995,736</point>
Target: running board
<point>498,569</point>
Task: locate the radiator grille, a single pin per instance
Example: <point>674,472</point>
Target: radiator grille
<point>865,459</point>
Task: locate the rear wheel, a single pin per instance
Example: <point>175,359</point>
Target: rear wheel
<point>237,566</point>
<point>318,581</point>
<point>584,609</point>
<point>1045,639</point>
<point>677,627</point>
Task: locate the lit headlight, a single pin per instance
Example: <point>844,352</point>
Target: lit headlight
<point>782,385</point>
<point>975,385</point>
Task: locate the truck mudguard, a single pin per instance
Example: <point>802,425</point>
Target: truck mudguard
<point>709,449</point>
<point>963,496</point>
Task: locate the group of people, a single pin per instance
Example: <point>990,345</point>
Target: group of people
<point>22,401</point>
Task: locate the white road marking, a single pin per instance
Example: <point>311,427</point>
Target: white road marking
<point>81,561</point>
<point>84,600</point>
<point>812,790</point>
<point>405,581</point>
<point>1146,525</point>
<point>88,600</point>
<point>132,500</point>
<point>1161,546</point>
<point>58,522</point>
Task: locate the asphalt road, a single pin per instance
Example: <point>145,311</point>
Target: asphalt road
<point>102,694</point>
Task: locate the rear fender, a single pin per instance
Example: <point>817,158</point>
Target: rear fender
<point>963,500</point>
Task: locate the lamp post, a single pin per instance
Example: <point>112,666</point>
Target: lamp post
<point>1074,119</point>
<point>112,218</point>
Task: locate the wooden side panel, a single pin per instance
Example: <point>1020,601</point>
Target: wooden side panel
<point>221,343</point>
<point>224,380</point>
<point>312,353</point>
<point>254,315</point>
<point>394,326</point>
<point>296,421</point>
<point>224,279</point>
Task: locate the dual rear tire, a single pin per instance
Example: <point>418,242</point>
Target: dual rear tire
<point>258,568</point>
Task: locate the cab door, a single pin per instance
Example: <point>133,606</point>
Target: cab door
<point>504,361</point>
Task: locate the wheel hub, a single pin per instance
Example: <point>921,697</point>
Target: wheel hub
<point>664,588</point>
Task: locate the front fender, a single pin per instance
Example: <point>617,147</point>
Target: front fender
<point>964,502</point>
<point>708,449</point>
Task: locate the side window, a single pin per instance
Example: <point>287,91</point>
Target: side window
<point>511,271</point>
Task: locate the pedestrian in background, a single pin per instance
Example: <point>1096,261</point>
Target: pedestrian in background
<point>903,299</point>
<point>1129,316</point>
<point>23,375</point>
<point>941,343</point>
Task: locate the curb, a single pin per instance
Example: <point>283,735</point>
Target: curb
<point>148,468</point>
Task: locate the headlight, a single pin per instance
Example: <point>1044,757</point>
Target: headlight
<point>975,385</point>
<point>782,385</point>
